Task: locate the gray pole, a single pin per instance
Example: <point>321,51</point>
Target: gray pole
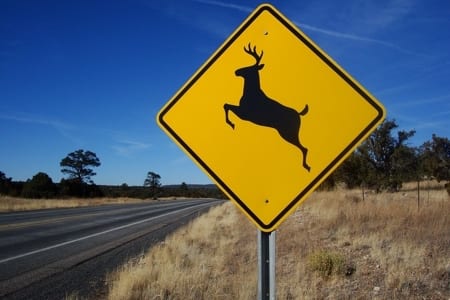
<point>266,265</point>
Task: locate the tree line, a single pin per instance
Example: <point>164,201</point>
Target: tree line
<point>78,167</point>
<point>383,162</point>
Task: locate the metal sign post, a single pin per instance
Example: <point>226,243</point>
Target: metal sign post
<point>266,265</point>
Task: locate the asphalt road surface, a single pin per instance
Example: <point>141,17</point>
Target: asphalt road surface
<point>51,254</point>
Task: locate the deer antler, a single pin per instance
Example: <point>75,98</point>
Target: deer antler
<point>253,53</point>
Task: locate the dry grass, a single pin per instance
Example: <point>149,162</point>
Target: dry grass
<point>8,204</point>
<point>382,248</point>
<point>392,250</point>
<point>197,262</point>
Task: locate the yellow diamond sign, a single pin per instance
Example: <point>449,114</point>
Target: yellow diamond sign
<point>269,116</point>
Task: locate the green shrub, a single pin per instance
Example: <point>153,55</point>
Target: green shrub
<point>326,263</point>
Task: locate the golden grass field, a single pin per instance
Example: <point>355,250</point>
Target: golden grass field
<point>335,246</point>
<point>9,204</point>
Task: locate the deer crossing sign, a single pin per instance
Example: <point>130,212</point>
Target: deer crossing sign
<point>269,116</point>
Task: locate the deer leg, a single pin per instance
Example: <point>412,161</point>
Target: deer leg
<point>304,152</point>
<point>227,107</point>
<point>292,137</point>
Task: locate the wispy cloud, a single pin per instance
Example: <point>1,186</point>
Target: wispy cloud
<point>427,101</point>
<point>226,5</point>
<point>62,127</point>
<point>395,89</point>
<point>383,14</point>
<point>129,147</point>
<point>347,36</point>
<point>181,160</point>
<point>423,124</point>
<point>430,124</point>
<point>443,113</point>
<point>34,120</point>
<point>391,14</point>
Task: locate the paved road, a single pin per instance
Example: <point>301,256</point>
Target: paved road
<point>50,254</point>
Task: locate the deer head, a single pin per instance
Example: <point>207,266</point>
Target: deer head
<point>246,71</point>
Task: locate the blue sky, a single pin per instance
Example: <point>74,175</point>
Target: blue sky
<point>93,74</point>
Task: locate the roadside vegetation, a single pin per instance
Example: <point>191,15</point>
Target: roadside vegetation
<point>368,233</point>
<point>78,166</point>
<point>335,246</point>
<point>383,162</point>
<point>78,189</point>
<point>10,204</point>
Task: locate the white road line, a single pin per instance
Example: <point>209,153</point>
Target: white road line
<point>94,235</point>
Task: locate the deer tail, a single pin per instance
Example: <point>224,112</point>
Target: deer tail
<point>304,111</point>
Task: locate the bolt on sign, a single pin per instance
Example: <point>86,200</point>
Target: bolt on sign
<point>269,116</point>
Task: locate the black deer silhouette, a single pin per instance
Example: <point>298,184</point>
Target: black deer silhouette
<point>256,107</point>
